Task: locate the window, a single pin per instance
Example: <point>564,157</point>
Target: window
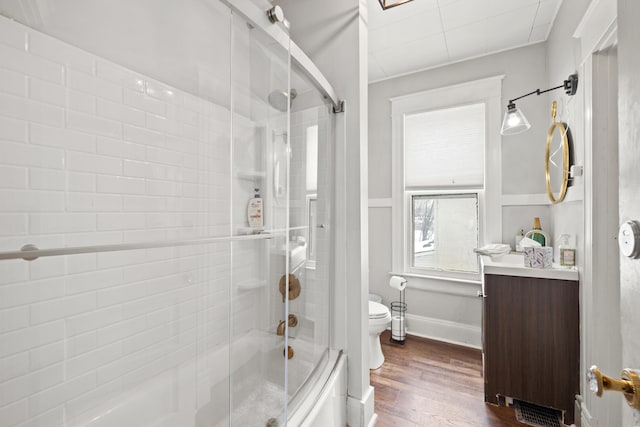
<point>312,209</point>
<point>444,151</point>
<point>312,198</point>
<point>445,231</point>
<point>441,186</point>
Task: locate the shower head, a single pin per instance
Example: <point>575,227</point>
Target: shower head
<point>279,98</point>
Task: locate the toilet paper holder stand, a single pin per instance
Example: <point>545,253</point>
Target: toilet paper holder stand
<point>398,320</point>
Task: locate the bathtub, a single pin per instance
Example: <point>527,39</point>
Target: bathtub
<point>196,390</point>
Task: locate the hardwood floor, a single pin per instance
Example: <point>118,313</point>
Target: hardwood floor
<point>430,383</point>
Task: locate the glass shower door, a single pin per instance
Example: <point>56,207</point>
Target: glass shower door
<point>311,183</point>
<point>114,132</point>
<point>259,166</point>
<point>136,135</point>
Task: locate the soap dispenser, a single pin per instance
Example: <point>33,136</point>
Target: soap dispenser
<point>518,239</point>
<point>566,251</point>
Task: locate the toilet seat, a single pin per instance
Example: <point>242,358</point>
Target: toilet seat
<point>379,320</point>
<point>377,310</point>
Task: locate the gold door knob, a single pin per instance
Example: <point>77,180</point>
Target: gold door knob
<point>629,385</point>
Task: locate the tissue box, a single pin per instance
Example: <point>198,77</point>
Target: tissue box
<point>538,257</point>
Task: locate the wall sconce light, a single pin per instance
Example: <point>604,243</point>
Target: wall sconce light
<point>514,120</point>
<point>388,4</point>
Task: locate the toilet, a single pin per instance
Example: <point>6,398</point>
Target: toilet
<point>379,320</point>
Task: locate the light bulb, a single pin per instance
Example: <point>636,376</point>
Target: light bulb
<point>513,120</point>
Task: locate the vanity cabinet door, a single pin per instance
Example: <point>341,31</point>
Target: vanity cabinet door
<point>532,341</point>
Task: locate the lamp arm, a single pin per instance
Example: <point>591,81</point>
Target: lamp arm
<point>537,92</point>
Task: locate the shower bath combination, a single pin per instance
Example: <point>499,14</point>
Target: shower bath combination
<point>147,302</point>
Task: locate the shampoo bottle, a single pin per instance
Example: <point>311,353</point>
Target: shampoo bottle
<point>254,211</point>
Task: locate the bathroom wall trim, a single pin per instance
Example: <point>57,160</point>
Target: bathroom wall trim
<point>585,416</point>
<point>525,199</point>
<point>597,26</point>
<point>444,330</point>
<point>381,203</point>
<point>360,412</point>
<point>439,284</point>
<point>574,194</point>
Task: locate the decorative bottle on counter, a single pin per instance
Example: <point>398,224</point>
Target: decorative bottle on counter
<point>537,234</point>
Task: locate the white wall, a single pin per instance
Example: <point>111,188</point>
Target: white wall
<point>454,308</point>
<point>563,57</point>
<point>525,70</point>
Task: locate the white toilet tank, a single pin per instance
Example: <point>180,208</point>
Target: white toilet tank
<point>375,298</point>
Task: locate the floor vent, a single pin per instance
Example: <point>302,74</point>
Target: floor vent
<point>537,416</point>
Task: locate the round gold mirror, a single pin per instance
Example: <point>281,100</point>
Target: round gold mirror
<point>557,161</point>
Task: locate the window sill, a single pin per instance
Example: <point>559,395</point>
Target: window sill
<point>443,285</point>
<point>435,277</point>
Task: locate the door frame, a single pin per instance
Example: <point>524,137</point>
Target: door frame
<point>600,282</point>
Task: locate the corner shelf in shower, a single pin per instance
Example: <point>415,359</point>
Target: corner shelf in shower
<point>250,175</point>
<point>251,284</point>
<point>260,233</point>
<point>247,231</point>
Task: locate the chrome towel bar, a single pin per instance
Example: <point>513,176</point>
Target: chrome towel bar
<point>31,252</point>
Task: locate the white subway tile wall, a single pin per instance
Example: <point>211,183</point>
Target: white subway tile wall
<point>92,153</point>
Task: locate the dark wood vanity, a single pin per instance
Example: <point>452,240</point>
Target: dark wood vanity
<point>531,341</point>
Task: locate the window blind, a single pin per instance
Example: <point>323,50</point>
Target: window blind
<point>445,148</point>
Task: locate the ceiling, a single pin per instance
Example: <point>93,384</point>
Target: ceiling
<point>424,34</point>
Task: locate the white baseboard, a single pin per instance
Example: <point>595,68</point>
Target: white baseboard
<point>444,330</point>
<point>585,416</point>
<point>360,412</point>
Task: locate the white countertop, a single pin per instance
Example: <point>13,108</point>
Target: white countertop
<point>512,264</point>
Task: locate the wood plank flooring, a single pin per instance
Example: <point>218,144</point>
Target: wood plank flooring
<point>429,383</point>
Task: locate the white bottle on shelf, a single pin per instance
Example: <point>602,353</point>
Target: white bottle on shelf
<point>255,211</point>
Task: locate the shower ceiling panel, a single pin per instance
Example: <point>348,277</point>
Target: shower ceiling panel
<point>425,34</point>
